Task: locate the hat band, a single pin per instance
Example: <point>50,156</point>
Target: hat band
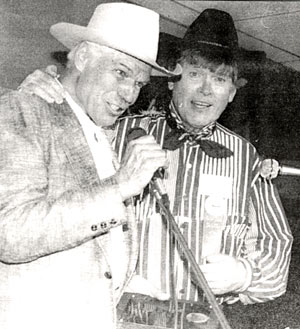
<point>213,44</point>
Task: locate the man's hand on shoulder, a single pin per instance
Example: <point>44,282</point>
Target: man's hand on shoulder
<point>43,83</point>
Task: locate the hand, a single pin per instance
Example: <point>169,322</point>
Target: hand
<point>140,285</point>
<point>143,156</point>
<point>224,273</point>
<point>43,84</point>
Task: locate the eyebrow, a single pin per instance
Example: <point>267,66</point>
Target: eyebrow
<point>222,73</point>
<point>127,67</point>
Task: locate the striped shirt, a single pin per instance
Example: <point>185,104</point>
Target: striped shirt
<point>222,205</point>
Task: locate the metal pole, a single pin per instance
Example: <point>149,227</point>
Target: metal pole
<point>163,202</point>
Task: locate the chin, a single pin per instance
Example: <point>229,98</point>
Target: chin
<point>108,124</point>
<point>202,123</point>
<point>105,122</point>
<point>196,124</point>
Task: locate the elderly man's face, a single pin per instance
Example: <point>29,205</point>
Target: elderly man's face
<point>201,96</point>
<point>109,83</point>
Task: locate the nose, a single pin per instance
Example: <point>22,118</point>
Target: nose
<point>204,85</point>
<point>128,92</point>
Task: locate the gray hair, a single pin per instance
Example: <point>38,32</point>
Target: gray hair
<point>93,49</point>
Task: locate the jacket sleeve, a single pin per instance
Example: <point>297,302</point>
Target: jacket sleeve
<point>268,242</point>
<point>33,224</point>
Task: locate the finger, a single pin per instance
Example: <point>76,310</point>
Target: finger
<point>48,82</point>
<point>160,295</point>
<point>153,159</point>
<point>46,89</point>
<point>53,89</point>
<point>141,153</point>
<point>212,272</point>
<point>216,258</point>
<point>52,70</point>
<point>146,139</point>
<point>41,93</point>
<point>40,79</point>
<point>140,285</point>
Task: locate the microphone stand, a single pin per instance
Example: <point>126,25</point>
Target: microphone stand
<point>164,205</point>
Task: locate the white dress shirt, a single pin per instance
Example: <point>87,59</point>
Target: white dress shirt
<point>103,155</point>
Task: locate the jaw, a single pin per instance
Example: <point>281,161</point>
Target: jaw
<point>197,118</point>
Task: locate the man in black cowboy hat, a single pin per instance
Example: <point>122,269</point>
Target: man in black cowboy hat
<point>231,217</point>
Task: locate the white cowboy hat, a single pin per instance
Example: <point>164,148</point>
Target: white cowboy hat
<point>128,28</point>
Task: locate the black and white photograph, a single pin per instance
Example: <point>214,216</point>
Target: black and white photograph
<point>149,164</point>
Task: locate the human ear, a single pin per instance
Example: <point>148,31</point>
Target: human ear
<point>232,93</point>
<point>81,56</point>
<point>171,85</point>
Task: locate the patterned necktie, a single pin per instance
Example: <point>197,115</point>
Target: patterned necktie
<point>180,133</point>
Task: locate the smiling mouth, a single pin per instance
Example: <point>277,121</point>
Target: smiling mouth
<point>115,108</point>
<point>201,105</point>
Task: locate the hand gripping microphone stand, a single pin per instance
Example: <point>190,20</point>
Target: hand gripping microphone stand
<point>164,205</point>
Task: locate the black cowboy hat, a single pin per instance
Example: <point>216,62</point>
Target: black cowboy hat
<point>213,31</point>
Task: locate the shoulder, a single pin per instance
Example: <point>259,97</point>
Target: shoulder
<point>243,151</point>
<point>19,109</point>
<point>16,100</point>
<point>17,96</point>
<point>231,134</point>
<point>4,90</point>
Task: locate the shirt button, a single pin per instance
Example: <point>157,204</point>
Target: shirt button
<point>103,225</point>
<point>108,275</point>
<point>113,221</point>
<point>94,228</point>
<point>189,165</point>
<point>181,291</point>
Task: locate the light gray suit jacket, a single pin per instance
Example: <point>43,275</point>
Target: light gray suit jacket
<point>54,215</point>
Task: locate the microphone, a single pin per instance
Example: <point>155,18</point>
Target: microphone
<point>271,168</point>
<point>159,188</point>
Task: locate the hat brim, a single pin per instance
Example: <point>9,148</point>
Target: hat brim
<point>70,35</point>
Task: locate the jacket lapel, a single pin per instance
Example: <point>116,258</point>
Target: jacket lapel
<point>73,141</point>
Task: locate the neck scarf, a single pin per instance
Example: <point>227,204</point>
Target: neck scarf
<point>181,132</point>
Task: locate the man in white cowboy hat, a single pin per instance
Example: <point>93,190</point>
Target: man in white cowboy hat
<point>231,217</point>
<point>68,237</point>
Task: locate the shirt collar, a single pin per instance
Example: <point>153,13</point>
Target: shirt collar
<point>82,117</point>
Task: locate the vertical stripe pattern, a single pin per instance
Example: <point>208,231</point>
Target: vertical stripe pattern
<point>221,205</point>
